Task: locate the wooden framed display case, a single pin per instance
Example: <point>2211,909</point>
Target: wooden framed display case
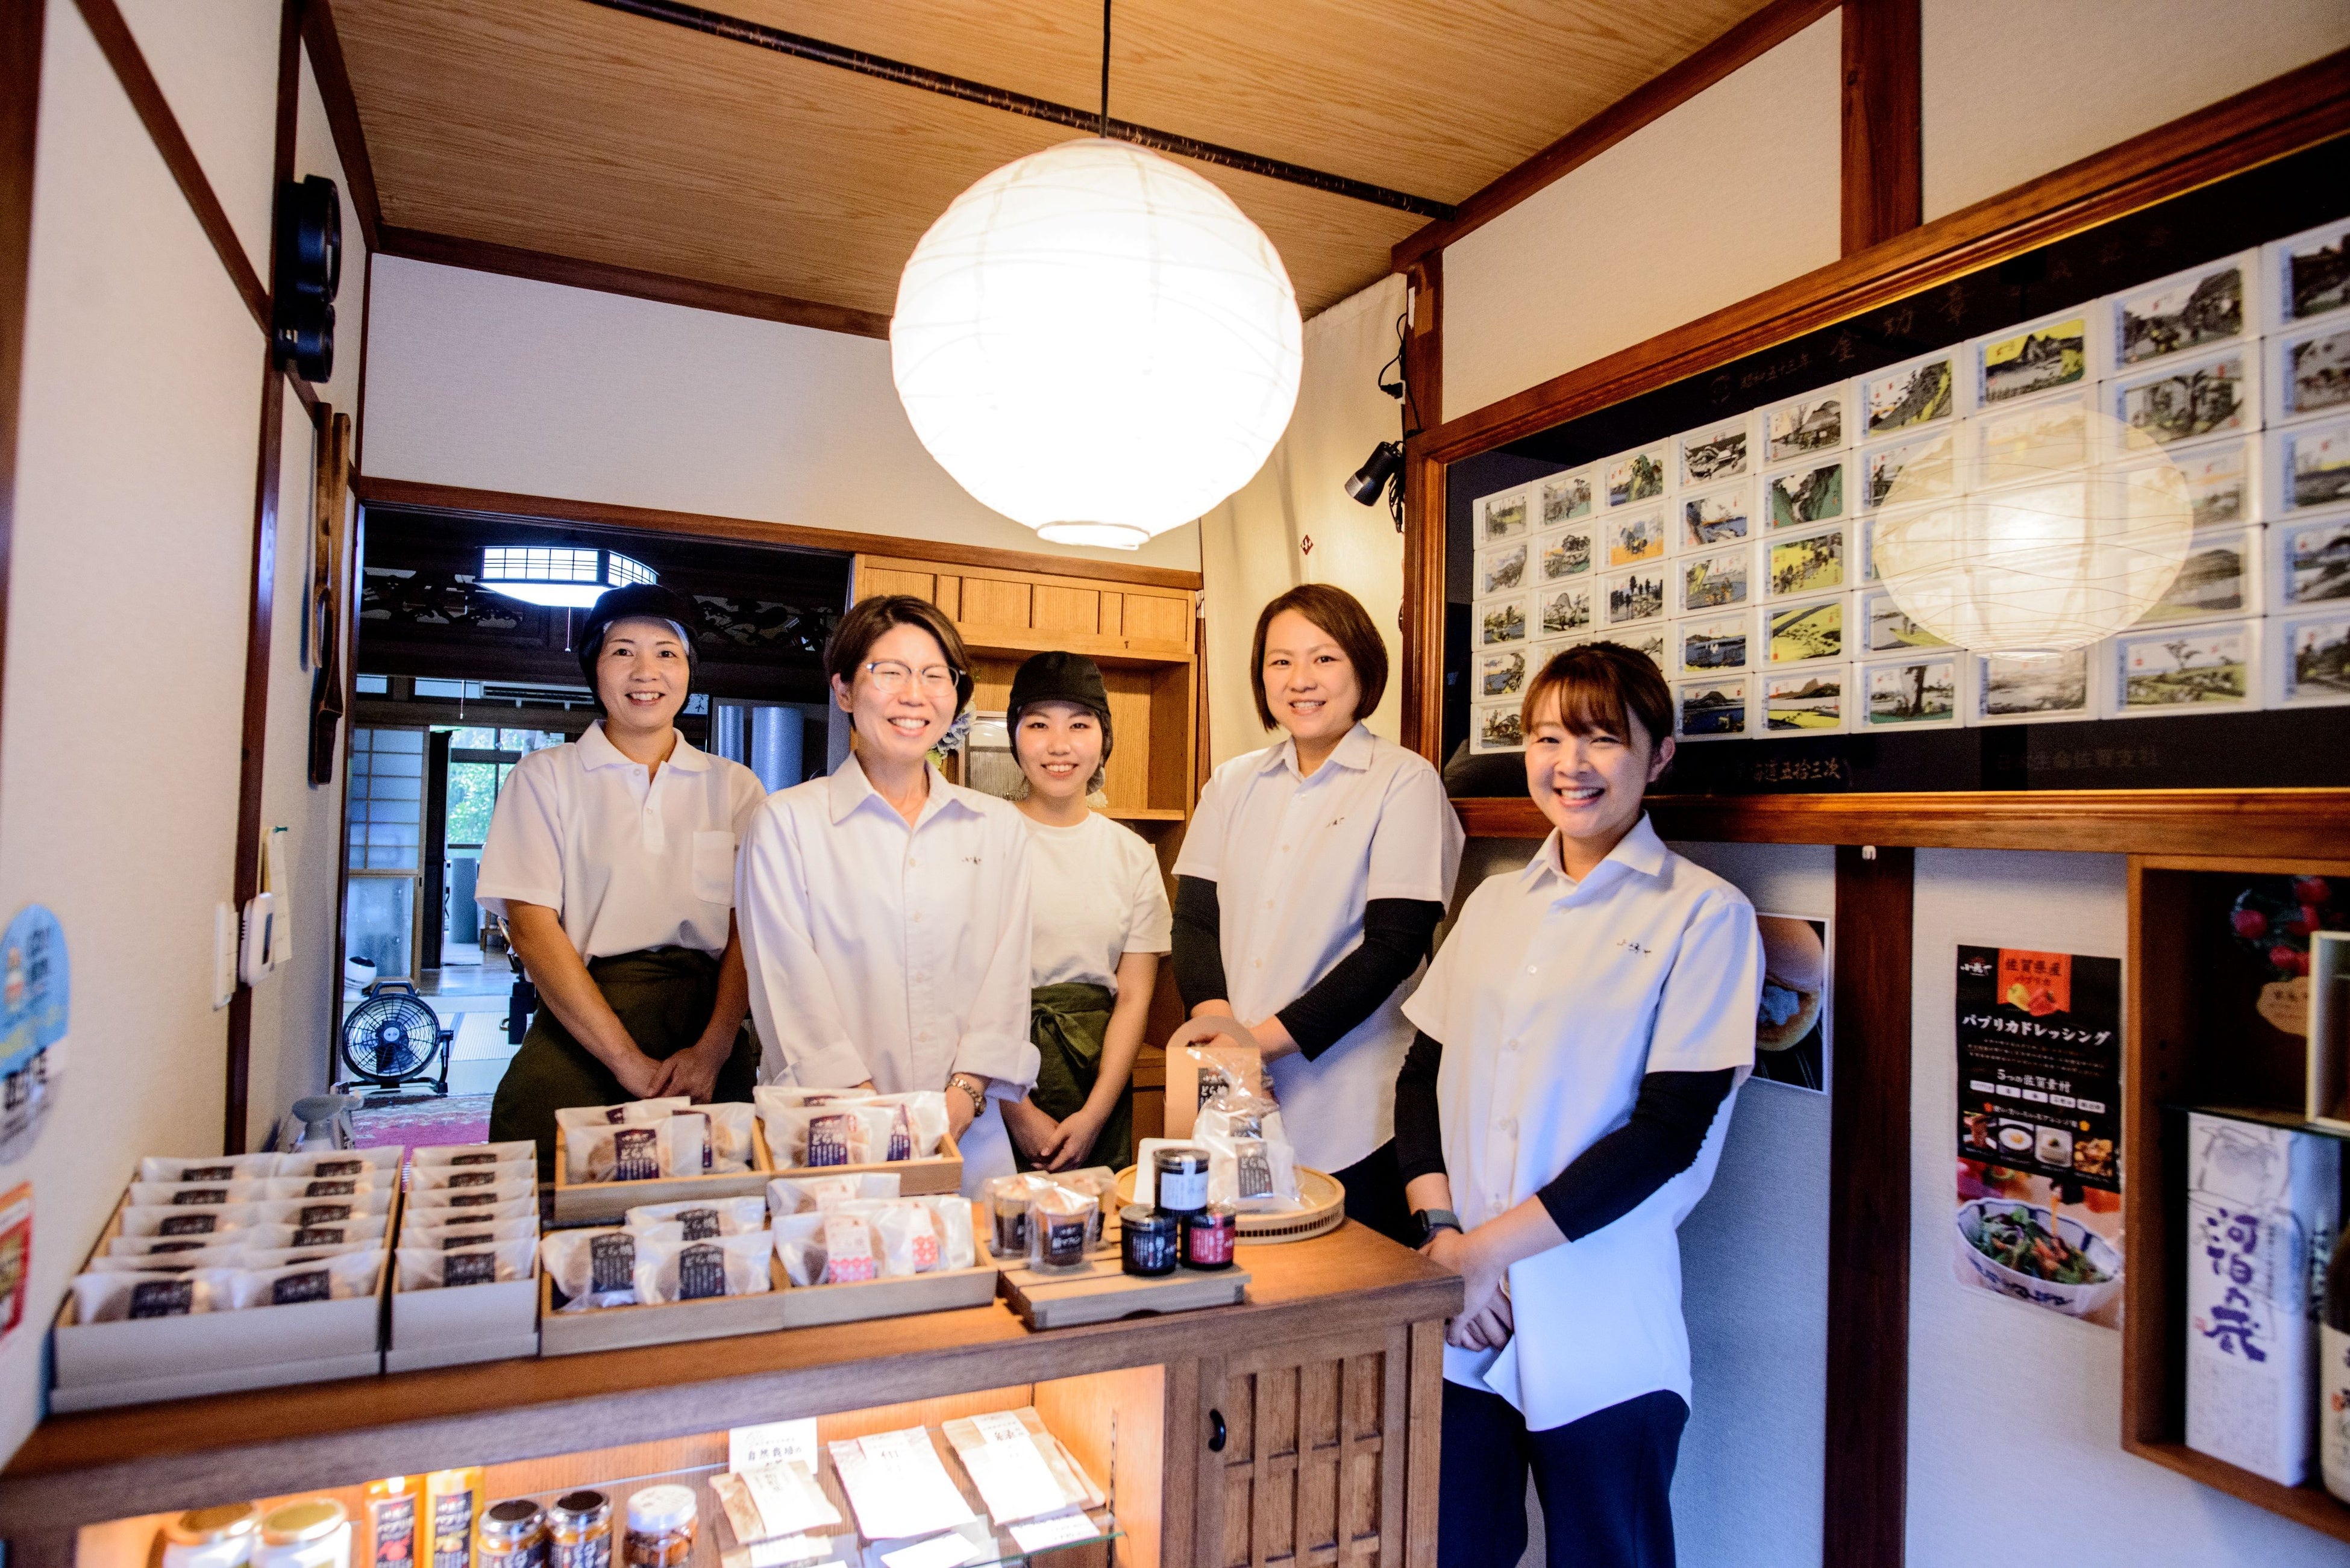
<point>1300,1426</point>
<point>2194,1040</point>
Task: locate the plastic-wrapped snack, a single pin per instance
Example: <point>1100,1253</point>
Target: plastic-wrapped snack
<point>330,1163</point>
<point>1008,1200</point>
<point>458,1178</point>
<point>699,1219</point>
<point>594,1148</point>
<point>462,1154</point>
<point>339,1277</point>
<point>817,1136</point>
<point>208,1167</point>
<point>918,1123</point>
<point>251,1258</point>
<point>670,1272</point>
<point>905,1238</point>
<point>282,1188</point>
<point>727,1136</point>
<point>177,1262</point>
<point>594,1268</point>
<point>1250,1164</point>
<point>806,1194</point>
<point>1061,1223</point>
<point>181,1223</point>
<point>787,1096</point>
<point>848,1247</point>
<point>431,1267</point>
<point>466,1232</point>
<point>113,1298</point>
<point>799,1247</point>
<point>325,1231</point>
<point>1101,1183</point>
<point>196,1194</point>
<point>471,1208</point>
<point>375,1205</point>
<point>522,1189</point>
<point>682,1143</point>
<point>951,1213</point>
<point>129,1246</point>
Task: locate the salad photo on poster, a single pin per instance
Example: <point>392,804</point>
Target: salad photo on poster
<point>2039,1129</point>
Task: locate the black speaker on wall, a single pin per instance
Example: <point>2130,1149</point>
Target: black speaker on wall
<point>309,271</point>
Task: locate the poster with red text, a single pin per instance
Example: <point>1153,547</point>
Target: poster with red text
<point>2039,1129</point>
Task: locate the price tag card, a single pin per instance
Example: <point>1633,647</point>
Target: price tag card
<point>771,1443</point>
<point>1044,1532</point>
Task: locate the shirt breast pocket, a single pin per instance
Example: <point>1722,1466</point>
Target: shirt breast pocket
<point>713,868</point>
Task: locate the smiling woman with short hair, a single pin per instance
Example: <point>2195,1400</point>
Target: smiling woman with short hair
<point>1581,1033</point>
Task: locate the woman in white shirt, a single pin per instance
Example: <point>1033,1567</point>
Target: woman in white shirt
<point>1581,1033</point>
<point>885,911</point>
<point>1310,881</point>
<point>612,860</point>
<point>1098,934</point>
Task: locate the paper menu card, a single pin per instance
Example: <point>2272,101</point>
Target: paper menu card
<point>897,1485</point>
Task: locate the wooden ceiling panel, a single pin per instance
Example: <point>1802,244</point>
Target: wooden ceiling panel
<point>566,128</point>
<point>1433,97</point>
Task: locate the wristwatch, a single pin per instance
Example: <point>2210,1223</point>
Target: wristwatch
<point>969,1085</point>
<point>1431,1220</point>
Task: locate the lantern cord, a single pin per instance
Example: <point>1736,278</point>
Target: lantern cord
<point>679,13</point>
<point>1104,132</point>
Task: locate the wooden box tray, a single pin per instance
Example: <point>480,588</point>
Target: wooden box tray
<point>1325,1210</point>
<point>605,1202</point>
<point>940,1172</point>
<point>619,1327</point>
<point>1102,1291</point>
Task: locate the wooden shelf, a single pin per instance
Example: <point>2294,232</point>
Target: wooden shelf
<point>82,1470</point>
<point>2311,1505</point>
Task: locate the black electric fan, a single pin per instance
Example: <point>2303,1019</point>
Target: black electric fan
<point>391,1039</point>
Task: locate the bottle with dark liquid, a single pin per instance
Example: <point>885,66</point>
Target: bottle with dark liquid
<point>2333,1373</point>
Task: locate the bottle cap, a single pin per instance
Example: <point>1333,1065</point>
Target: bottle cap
<point>306,1519</point>
<point>658,1510</point>
<point>203,1526</point>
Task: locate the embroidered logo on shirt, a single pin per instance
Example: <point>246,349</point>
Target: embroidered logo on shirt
<point>1635,947</point>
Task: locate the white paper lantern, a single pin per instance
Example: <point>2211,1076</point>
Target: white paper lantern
<point>1096,343</point>
<point>2002,553</point>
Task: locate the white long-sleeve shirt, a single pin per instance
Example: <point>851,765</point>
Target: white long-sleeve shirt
<point>895,953</point>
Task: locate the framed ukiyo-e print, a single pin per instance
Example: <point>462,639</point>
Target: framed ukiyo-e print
<point>2195,347</point>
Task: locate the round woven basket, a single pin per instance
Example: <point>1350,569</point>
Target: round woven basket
<point>1325,1210</point>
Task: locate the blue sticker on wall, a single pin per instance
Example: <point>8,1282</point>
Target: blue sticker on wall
<point>35,1002</point>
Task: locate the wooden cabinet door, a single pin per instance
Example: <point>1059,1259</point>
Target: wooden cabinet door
<point>1313,1469</point>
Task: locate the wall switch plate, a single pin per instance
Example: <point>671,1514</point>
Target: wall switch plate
<point>224,955</point>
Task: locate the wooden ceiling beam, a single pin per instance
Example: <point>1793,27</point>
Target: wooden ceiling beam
<point>481,255</point>
<point>333,75</point>
<point>1757,36</point>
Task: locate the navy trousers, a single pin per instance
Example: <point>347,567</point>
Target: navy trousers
<point>1604,1481</point>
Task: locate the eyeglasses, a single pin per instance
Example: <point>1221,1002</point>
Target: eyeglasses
<point>889,676</point>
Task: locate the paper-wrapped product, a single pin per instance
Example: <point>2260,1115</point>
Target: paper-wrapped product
<point>464,1154</point>
<point>208,1167</point>
<point>434,1268</point>
<point>697,1220</point>
<point>466,1231</point>
<point>594,1268</point>
<point>336,1163</point>
<point>522,1189</point>
<point>773,1500</point>
<point>197,1194</point>
<point>806,1194</point>
<point>462,1178</point>
<point>284,1207</point>
<point>184,1223</point>
<point>338,1278</point>
<point>669,1271</point>
<point>1021,1469</point>
<point>117,1297</point>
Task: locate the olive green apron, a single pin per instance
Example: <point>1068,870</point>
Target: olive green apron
<point>1067,1022</point>
<point>663,997</point>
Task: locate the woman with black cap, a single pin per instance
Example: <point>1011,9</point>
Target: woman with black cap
<point>1096,935</point>
<point>612,860</point>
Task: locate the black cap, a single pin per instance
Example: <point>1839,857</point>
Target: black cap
<point>1060,677</point>
<point>649,600</point>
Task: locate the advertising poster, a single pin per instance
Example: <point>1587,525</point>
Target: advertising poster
<point>35,992</point>
<point>2040,1118</point>
<point>1791,1026</point>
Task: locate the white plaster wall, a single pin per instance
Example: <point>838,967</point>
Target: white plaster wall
<point>501,383</point>
<point>2013,89</point>
<point>2015,1411</point>
<point>125,654</point>
<point>1755,1264</point>
<point>1732,192</point>
<point>216,61</point>
<point>294,1011</point>
<point>1253,546</point>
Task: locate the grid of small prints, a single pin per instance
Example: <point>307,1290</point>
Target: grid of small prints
<point>1738,556</point>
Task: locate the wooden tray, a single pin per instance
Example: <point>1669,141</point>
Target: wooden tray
<point>940,1172</point>
<point>617,1328</point>
<point>804,1306</point>
<point>1325,1210</point>
<point>605,1202</point>
<point>1102,1291</point>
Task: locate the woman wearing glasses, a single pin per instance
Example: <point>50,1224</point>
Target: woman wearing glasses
<point>884,912</point>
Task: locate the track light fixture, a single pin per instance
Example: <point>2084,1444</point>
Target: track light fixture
<point>1382,472</point>
<point>1383,468</point>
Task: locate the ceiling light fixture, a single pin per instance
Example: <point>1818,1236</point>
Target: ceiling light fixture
<point>1095,341</point>
<point>559,577</point>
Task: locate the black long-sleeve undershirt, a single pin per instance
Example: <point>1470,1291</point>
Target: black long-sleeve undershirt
<point>1606,1181</point>
<point>1395,934</point>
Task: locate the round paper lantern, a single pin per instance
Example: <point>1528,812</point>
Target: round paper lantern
<point>1096,342</point>
<point>2003,537</point>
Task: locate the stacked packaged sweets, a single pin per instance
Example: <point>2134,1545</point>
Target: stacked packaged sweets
<point>234,1232</point>
<point>646,1140</point>
<point>663,1254</point>
<point>847,1230</point>
<point>818,1129</point>
<point>472,1216</point>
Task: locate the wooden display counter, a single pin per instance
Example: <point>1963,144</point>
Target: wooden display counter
<point>1300,1424</point>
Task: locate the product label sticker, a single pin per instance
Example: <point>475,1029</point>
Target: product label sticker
<point>612,1262</point>
<point>208,1173</point>
<point>188,1225</point>
<point>1255,1167</point>
<point>701,1272</point>
<point>331,1190</point>
<point>469,1268</point>
<point>35,1001</point>
<point>319,1236</point>
<point>474,1178</point>
<point>295,1289</point>
<point>322,1213</point>
<point>201,1196</point>
<point>175,1247</point>
<point>771,1443</point>
<point>827,1140</point>
<point>475,1199</point>
<point>901,1137</point>
<point>1000,1426</point>
<point>162,1298</point>
<point>701,1224</point>
<point>484,1157</point>
<point>634,1156</point>
<point>1042,1534</point>
<point>339,1168</point>
<point>456,1239</point>
<point>395,1531</point>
